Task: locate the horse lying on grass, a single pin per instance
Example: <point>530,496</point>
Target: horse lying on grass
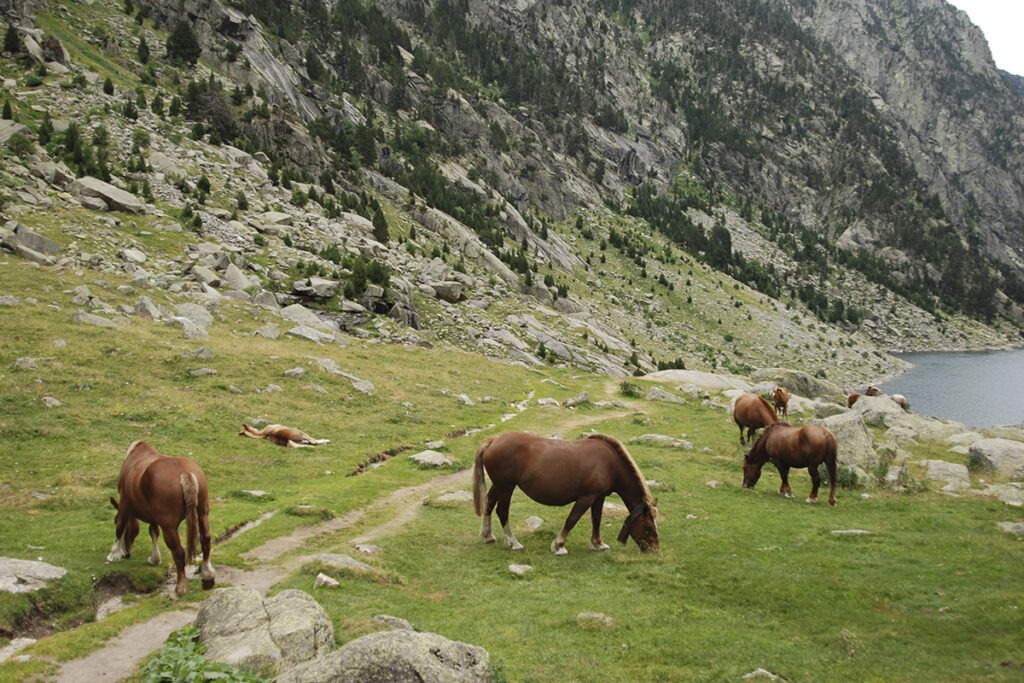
<point>789,446</point>
<point>162,491</point>
<point>282,436</point>
<point>558,472</point>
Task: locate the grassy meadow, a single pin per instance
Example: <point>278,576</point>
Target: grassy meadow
<point>745,578</point>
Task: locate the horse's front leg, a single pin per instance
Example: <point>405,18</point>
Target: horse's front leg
<point>595,517</point>
<point>578,508</point>
<point>178,553</point>
<point>154,535</point>
<point>784,489</point>
<point>815,483</point>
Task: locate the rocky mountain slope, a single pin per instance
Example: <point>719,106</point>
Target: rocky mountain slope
<point>620,186</point>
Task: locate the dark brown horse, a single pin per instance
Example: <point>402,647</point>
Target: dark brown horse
<point>162,491</point>
<point>751,412</point>
<point>789,446</point>
<point>780,399</point>
<point>559,472</point>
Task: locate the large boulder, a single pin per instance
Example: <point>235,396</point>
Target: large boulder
<point>114,198</point>
<point>798,383</point>
<point>856,447</point>
<point>1002,456</point>
<point>399,655</point>
<point>240,628</point>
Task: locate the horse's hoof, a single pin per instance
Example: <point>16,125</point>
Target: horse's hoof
<point>208,584</point>
<point>812,500</point>
<point>599,547</point>
<point>490,539</point>
<point>562,551</point>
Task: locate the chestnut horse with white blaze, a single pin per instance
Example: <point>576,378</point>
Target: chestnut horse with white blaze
<point>162,491</point>
<point>751,412</point>
<point>790,446</point>
<point>558,472</point>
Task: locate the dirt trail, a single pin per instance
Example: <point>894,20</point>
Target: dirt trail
<point>121,656</point>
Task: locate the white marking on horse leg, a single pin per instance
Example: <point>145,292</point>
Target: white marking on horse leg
<point>206,571</point>
<point>510,539</point>
<point>154,557</point>
<point>811,499</point>
<point>117,551</point>
<point>598,546</point>
<point>485,529</point>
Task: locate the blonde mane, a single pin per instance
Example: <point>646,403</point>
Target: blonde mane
<point>624,454</point>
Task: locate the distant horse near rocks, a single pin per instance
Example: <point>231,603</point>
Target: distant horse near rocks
<point>780,399</point>
<point>752,412</point>
<point>898,399</point>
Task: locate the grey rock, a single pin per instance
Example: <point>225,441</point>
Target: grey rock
<point>397,655</point>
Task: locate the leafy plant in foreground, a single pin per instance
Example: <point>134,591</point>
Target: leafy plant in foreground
<point>182,660</point>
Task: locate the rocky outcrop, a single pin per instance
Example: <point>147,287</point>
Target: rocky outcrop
<point>290,634</point>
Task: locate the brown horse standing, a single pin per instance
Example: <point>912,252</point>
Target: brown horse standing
<point>789,446</point>
<point>162,491</point>
<point>780,399</point>
<point>559,472</point>
<point>751,412</point>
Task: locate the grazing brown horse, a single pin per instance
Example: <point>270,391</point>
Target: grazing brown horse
<point>559,472</point>
<point>789,446</point>
<point>780,399</point>
<point>282,436</point>
<point>162,491</point>
<point>751,412</point>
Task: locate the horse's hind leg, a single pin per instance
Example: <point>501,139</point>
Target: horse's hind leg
<point>206,569</point>
<point>504,501</point>
<point>815,483</point>
<point>485,519</point>
<point>154,535</point>
<point>178,553</point>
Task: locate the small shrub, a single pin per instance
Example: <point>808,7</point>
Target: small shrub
<point>630,390</point>
<point>182,660</point>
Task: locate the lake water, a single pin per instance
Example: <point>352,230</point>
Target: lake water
<point>978,388</point>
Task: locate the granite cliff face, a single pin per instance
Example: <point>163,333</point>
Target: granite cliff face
<point>611,183</point>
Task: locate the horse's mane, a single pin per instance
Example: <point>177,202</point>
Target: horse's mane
<point>624,454</point>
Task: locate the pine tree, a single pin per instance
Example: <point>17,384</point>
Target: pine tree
<point>182,45</point>
<point>12,40</point>
<point>380,227</point>
<point>142,53</point>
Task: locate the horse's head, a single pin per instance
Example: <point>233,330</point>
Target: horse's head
<point>126,528</point>
<point>755,459</point>
<point>641,525</point>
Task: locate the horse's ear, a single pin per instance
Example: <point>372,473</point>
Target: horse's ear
<point>113,501</point>
<point>654,507</point>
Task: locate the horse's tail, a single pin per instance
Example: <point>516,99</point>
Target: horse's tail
<point>190,492</point>
<point>479,484</point>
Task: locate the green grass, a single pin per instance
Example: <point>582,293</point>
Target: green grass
<point>745,579</point>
